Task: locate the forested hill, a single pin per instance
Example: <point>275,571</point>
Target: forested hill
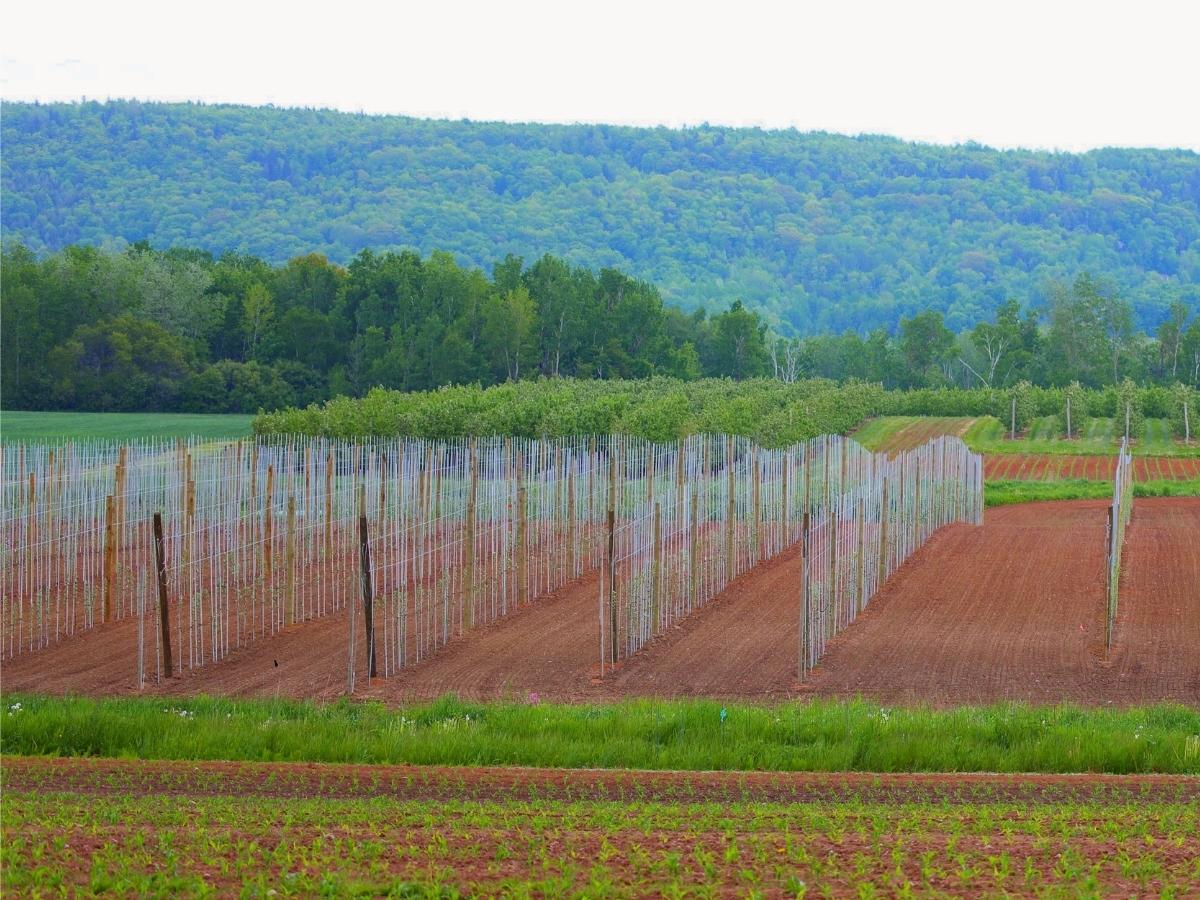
<point>821,232</point>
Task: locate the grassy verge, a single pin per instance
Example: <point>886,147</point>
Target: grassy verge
<point>1001,493</point>
<point>645,734</point>
<point>79,426</point>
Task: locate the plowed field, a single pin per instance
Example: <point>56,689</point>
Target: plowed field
<point>1054,467</point>
<point>1015,610</point>
<point>1012,610</point>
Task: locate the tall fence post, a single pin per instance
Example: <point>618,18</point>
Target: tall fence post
<point>368,594</point>
<point>164,612</point>
<point>110,556</point>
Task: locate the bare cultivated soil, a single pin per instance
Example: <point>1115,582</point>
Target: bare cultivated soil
<point>1058,467</point>
<point>1013,610</point>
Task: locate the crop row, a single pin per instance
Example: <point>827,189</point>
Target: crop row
<point>68,842</point>
<point>771,413</point>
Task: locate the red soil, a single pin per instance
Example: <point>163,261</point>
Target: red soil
<point>1157,638</point>
<point>1015,611</point>
<point>1057,467</point>
<point>1012,610</point>
<point>197,778</point>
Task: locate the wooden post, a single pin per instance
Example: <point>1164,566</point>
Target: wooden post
<point>1068,417</point>
<point>1187,425</point>
<point>1014,418</point>
<point>368,594</point>
<point>756,505</point>
<point>164,612</point>
<point>110,555</point>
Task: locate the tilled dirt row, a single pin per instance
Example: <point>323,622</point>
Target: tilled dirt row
<point>1062,467</point>
<point>1012,610</point>
<point>106,777</point>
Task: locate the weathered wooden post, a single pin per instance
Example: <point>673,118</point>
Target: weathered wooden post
<point>756,506</point>
<point>164,612</point>
<point>110,556</point>
<point>368,593</point>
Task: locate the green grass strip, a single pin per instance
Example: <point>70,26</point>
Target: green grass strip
<point>1002,493</point>
<point>692,735</point>
<point>55,427</point>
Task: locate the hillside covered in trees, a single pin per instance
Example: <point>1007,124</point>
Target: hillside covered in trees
<point>144,329</point>
<point>819,232</point>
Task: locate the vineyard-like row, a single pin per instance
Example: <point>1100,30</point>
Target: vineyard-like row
<point>212,547</point>
<point>770,412</point>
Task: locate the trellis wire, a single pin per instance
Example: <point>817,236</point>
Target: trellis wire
<point>713,507</point>
<point>262,535</point>
<point>1118,518</point>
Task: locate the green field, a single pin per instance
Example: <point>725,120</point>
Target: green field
<point>152,843</point>
<point>1003,492</point>
<point>695,735</point>
<point>81,426</point>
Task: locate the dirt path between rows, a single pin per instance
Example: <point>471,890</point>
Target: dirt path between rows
<point>1012,610</point>
<point>1015,611</point>
<point>743,643</point>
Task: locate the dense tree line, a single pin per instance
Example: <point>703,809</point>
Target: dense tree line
<point>142,329</point>
<point>178,330</point>
<point>1082,331</point>
<point>819,233</point>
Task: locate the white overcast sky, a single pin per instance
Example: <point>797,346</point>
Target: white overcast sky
<point>1054,74</point>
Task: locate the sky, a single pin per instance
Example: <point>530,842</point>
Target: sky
<point>1050,74</point>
